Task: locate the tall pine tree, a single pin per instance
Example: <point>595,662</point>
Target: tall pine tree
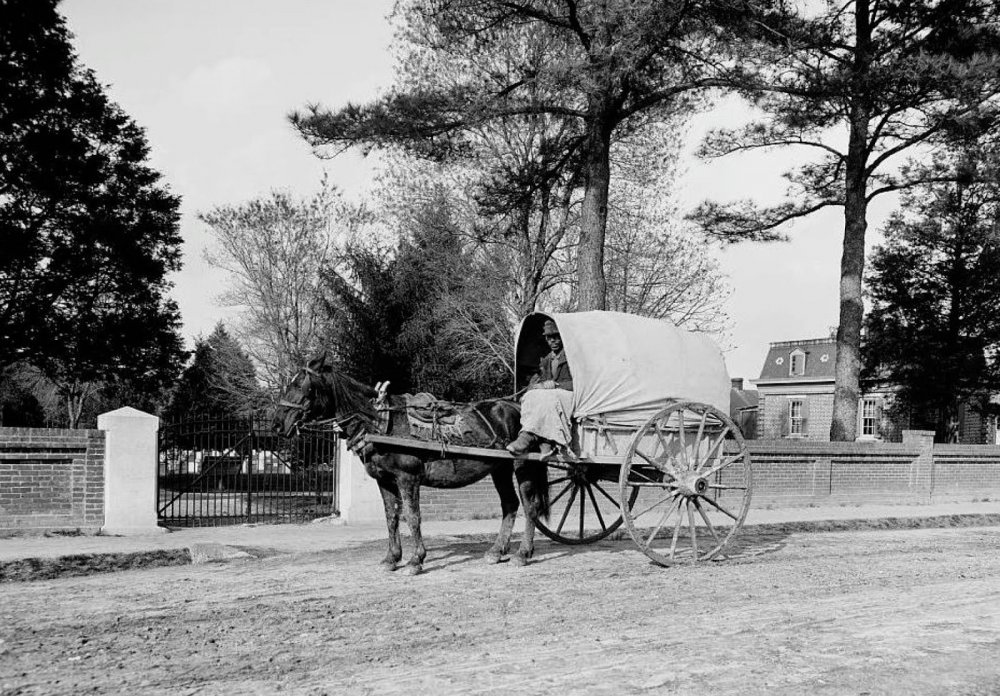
<point>609,69</point>
<point>860,84</point>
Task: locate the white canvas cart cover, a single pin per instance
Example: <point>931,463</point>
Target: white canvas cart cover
<point>625,366</point>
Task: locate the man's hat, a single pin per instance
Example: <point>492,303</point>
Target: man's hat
<point>549,328</point>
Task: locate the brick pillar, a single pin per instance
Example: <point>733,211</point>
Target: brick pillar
<point>130,472</point>
<point>360,499</point>
<point>922,471</point>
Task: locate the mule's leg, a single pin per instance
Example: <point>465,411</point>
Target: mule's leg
<point>391,502</point>
<point>527,548</point>
<point>409,491</point>
<point>533,487</point>
<point>503,482</point>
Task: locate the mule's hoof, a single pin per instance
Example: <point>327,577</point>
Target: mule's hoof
<point>519,560</point>
<point>388,566</point>
<point>414,569</point>
<point>492,556</point>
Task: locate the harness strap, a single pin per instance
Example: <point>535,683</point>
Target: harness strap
<point>486,422</point>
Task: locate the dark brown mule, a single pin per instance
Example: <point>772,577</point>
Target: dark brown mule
<point>319,392</point>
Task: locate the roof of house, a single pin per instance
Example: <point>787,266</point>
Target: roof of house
<point>821,357</point>
<point>742,399</point>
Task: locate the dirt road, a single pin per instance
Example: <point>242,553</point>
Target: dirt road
<point>885,612</point>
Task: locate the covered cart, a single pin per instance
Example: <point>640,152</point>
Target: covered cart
<point>653,446</point>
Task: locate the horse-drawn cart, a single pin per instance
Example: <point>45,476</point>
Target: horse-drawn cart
<point>653,446</point>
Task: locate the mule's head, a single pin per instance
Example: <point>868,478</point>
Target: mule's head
<point>305,399</point>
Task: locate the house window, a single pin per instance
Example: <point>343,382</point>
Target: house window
<point>797,363</point>
<point>796,418</point>
<point>869,416</point>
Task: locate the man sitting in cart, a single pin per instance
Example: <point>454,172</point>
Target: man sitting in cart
<point>548,404</point>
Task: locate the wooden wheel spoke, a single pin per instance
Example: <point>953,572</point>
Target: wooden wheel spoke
<point>715,445</point>
<point>668,496</point>
<point>677,533</point>
<point>708,522</point>
<point>727,461</point>
<point>652,462</point>
<point>561,494</point>
<point>727,488</point>
<point>569,506</point>
<point>583,508</point>
<point>607,495</point>
<point>639,473</point>
<point>697,439</point>
<point>682,440</point>
<point>663,441</point>
<point>558,480</point>
<point>673,506</point>
<point>597,510</point>
<point>694,533</point>
<point>722,509</point>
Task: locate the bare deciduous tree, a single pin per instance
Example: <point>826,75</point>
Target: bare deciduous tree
<point>274,248</point>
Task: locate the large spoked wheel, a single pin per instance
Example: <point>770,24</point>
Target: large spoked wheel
<point>582,507</point>
<point>691,469</point>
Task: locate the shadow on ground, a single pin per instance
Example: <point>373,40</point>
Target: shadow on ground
<point>752,542</point>
<point>450,551</point>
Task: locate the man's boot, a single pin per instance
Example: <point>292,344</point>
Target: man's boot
<point>522,444</point>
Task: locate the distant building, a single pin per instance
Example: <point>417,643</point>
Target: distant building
<point>743,408</point>
<point>795,399</point>
<point>796,387</point>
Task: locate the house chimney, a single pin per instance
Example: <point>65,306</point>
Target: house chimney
<point>737,383</point>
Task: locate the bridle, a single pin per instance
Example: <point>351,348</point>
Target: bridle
<point>304,407</point>
<point>338,425</point>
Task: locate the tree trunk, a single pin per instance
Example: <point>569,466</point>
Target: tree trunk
<point>844,427</point>
<point>592,289</point>
<point>74,408</point>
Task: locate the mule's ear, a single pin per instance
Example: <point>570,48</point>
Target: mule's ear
<point>318,362</point>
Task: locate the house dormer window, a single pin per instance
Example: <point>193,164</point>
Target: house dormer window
<point>796,363</point>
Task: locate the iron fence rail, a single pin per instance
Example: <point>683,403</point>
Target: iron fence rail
<point>225,470</point>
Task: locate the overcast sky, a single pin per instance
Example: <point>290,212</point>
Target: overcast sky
<point>211,81</point>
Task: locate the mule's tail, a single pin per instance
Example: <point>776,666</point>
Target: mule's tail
<point>533,482</point>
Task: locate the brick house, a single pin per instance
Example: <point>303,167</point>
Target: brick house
<point>796,387</point>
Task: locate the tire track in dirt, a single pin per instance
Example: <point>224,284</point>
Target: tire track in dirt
<point>883,612</point>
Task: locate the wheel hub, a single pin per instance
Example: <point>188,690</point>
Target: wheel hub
<point>691,485</point>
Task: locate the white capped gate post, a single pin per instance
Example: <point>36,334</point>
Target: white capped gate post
<point>130,471</point>
<point>360,500</point>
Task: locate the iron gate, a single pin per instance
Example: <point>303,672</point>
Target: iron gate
<point>217,471</point>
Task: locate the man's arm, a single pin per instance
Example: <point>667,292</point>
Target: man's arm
<point>541,380</point>
<point>564,379</point>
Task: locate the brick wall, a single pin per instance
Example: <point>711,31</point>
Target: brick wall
<point>788,473</point>
<point>966,470</point>
<point>51,479</point>
<point>478,501</point>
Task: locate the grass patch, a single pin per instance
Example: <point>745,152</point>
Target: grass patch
<point>27,569</point>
